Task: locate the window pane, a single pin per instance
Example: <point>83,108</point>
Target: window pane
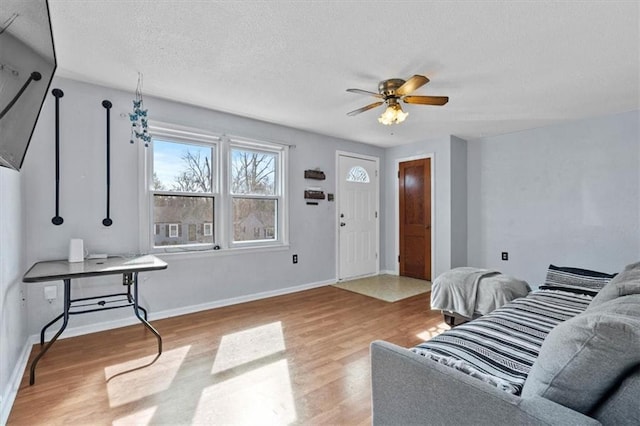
<point>358,174</point>
<point>254,219</point>
<point>182,167</point>
<point>253,172</point>
<point>181,220</point>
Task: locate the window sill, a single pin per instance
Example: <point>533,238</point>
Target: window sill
<point>195,254</point>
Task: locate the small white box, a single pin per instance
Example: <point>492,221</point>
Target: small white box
<point>76,250</point>
<point>50,292</point>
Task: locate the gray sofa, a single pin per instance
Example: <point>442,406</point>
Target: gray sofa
<point>587,372</point>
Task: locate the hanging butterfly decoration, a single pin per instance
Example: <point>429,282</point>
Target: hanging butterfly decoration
<point>139,119</point>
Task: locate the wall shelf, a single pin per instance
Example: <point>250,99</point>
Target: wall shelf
<point>314,174</point>
<point>313,194</point>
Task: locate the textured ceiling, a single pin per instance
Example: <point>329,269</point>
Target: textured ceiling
<point>506,65</point>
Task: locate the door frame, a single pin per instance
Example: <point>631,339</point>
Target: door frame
<point>396,190</point>
<point>337,212</point>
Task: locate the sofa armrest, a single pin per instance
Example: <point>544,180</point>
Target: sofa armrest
<point>408,388</point>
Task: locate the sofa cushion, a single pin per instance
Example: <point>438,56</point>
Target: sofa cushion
<point>625,283</point>
<point>621,407</point>
<point>575,280</point>
<point>584,357</point>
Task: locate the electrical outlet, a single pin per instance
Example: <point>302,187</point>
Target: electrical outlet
<point>50,292</point>
<point>295,258</point>
<point>505,255</point>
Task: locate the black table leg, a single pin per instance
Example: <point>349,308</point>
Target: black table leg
<point>65,316</point>
<point>137,309</point>
<point>128,279</point>
<point>47,326</point>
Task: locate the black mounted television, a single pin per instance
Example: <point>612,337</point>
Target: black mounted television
<point>27,64</point>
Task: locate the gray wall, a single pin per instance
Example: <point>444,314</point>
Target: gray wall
<point>447,252</point>
<point>190,280</point>
<point>566,194</point>
<point>458,202</point>
<point>13,321</point>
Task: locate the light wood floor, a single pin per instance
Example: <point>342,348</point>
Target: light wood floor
<point>301,358</point>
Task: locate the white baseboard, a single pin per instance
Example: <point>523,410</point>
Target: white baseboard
<point>389,272</point>
<point>9,394</point>
<point>123,322</point>
<point>236,300</point>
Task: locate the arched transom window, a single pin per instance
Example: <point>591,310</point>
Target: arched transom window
<point>358,174</point>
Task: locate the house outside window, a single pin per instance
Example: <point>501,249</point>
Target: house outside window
<point>206,190</point>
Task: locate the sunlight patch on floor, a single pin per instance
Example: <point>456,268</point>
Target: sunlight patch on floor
<point>433,331</point>
<point>248,345</point>
<point>134,380</point>
<point>139,418</point>
<point>357,380</point>
<point>260,396</point>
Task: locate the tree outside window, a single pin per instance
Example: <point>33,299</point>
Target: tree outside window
<point>254,194</point>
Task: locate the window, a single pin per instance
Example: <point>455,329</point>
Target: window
<point>173,230</point>
<point>358,174</point>
<point>182,193</point>
<point>207,191</point>
<point>254,194</point>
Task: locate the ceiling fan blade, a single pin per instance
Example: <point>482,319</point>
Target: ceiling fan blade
<point>412,84</point>
<point>365,92</point>
<point>365,108</point>
<point>426,100</point>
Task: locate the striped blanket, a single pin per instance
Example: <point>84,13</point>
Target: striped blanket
<point>500,347</point>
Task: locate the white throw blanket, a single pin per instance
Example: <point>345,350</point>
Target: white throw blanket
<point>469,290</point>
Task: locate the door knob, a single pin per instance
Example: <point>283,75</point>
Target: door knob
<point>342,224</point>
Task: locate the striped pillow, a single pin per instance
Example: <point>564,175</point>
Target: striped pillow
<point>575,280</point>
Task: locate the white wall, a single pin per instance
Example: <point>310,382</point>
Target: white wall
<point>442,224</point>
<point>190,279</point>
<point>567,194</point>
<point>13,321</point>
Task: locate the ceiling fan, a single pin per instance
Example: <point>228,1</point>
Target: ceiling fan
<point>391,92</point>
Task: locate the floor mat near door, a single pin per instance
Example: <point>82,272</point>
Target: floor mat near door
<point>389,288</point>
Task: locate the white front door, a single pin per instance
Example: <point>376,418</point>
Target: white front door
<point>357,216</point>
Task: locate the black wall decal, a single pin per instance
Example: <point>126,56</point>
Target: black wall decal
<point>107,105</point>
<point>57,220</point>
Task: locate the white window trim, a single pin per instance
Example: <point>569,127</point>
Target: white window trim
<point>185,135</point>
<point>207,229</point>
<point>222,227</point>
<point>173,230</point>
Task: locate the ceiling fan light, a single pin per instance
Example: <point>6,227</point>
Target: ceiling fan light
<point>393,115</point>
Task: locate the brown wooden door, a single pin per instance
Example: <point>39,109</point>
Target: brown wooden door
<point>415,218</point>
